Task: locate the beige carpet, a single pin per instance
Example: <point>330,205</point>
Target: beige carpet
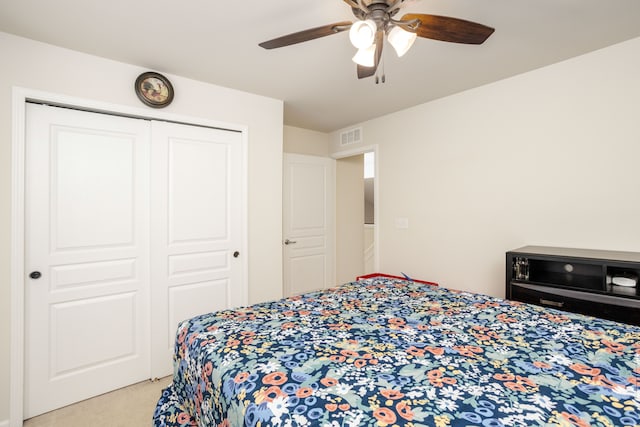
<point>128,407</point>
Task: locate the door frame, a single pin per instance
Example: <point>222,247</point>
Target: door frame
<point>20,96</point>
<point>376,194</point>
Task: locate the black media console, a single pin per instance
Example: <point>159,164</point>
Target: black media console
<point>593,282</point>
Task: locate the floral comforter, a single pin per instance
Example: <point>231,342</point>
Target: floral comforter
<point>382,352</point>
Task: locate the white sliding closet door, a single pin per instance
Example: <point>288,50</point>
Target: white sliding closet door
<point>131,226</point>
<point>196,222</point>
<point>87,255</point>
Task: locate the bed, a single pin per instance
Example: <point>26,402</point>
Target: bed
<point>387,352</point>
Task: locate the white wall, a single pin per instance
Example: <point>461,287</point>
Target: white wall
<point>46,68</point>
<point>305,141</point>
<point>551,157</point>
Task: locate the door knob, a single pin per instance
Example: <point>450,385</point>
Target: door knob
<point>289,242</point>
<point>236,254</point>
<point>35,274</point>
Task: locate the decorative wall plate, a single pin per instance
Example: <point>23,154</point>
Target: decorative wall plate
<point>154,89</point>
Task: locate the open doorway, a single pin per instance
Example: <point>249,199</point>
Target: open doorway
<point>356,212</point>
<point>369,212</point>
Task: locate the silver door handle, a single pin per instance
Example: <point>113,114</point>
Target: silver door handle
<point>289,242</point>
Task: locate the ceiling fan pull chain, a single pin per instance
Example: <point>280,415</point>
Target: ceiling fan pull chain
<point>384,76</point>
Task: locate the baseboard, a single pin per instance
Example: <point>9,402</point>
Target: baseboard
<point>4,423</point>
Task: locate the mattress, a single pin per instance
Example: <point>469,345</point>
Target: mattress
<point>386,352</point>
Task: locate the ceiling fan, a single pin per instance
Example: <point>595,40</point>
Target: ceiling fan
<point>375,19</point>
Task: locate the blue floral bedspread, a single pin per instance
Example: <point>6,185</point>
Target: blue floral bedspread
<point>382,352</point>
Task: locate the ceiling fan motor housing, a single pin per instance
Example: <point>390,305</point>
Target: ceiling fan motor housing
<point>378,11</point>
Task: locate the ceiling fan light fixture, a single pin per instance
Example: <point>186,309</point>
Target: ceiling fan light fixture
<point>401,40</point>
<point>365,56</point>
<point>363,33</point>
<point>374,21</point>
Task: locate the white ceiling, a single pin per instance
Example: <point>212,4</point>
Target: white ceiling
<point>217,41</point>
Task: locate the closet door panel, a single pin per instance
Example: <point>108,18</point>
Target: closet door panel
<point>199,191</point>
<point>196,190</point>
<point>87,207</point>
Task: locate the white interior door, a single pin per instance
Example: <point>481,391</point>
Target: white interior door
<point>197,238</point>
<point>86,314</point>
<point>308,223</point>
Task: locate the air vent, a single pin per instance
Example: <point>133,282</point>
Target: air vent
<point>352,136</point>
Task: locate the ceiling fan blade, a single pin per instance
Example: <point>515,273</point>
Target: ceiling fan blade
<point>364,72</point>
<point>352,3</point>
<point>306,35</point>
<point>449,29</point>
